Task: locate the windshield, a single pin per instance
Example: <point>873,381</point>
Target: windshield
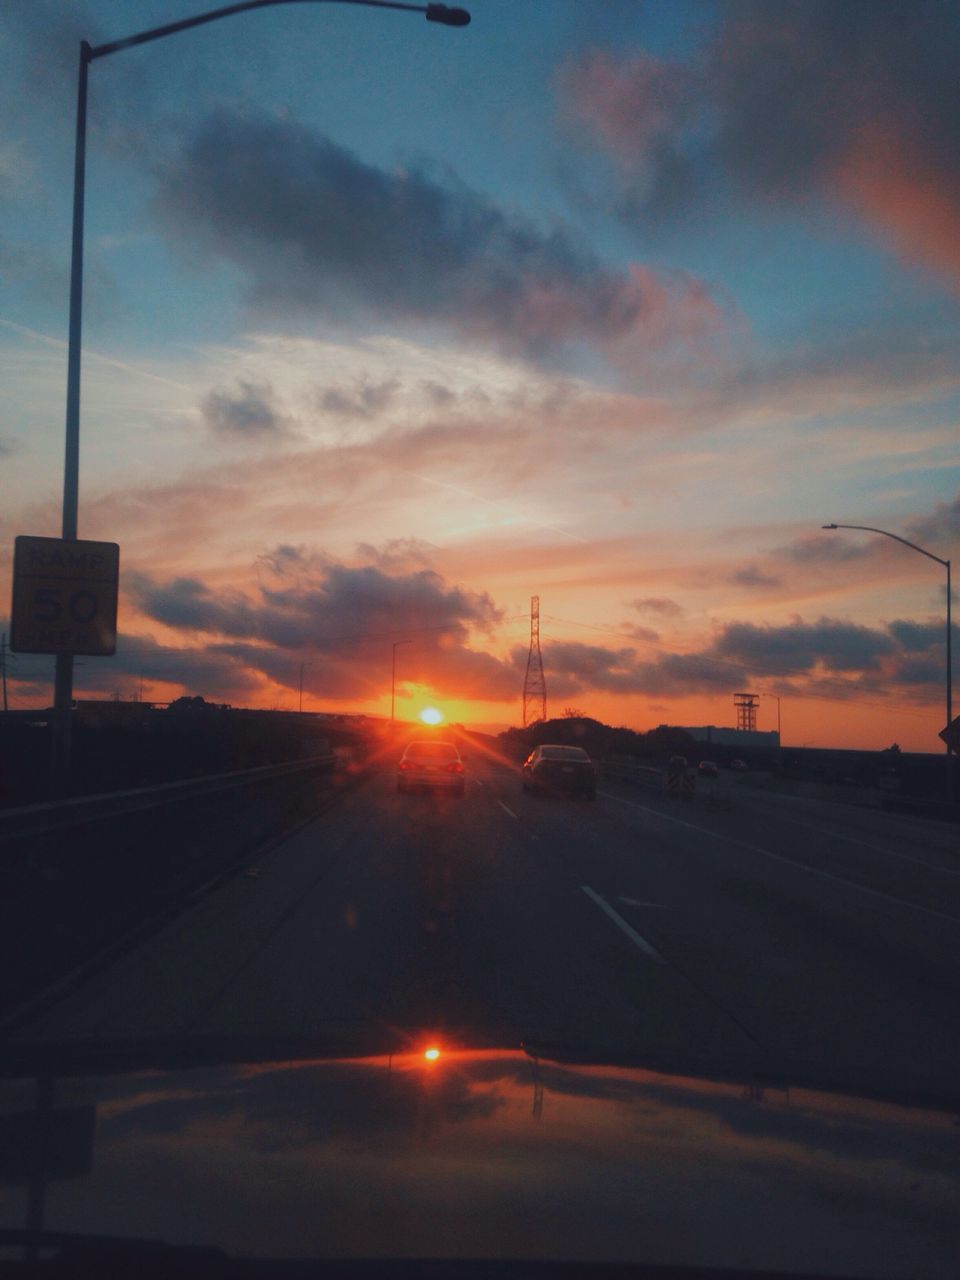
<point>480,521</point>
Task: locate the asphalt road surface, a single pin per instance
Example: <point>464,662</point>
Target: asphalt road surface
<point>743,935</point>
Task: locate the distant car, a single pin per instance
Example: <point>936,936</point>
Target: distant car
<point>708,769</point>
<point>559,768</point>
<point>677,764</point>
<point>740,766</point>
<point>429,764</point>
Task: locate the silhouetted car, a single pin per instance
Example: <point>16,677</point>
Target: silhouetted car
<point>560,769</point>
<point>431,764</point>
<point>707,769</point>
<point>739,766</point>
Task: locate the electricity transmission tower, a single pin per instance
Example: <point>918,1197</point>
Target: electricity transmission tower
<point>534,685</point>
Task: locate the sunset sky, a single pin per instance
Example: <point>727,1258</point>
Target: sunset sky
<point>389,327</point>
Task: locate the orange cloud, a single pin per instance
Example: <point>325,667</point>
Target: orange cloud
<point>889,176</point>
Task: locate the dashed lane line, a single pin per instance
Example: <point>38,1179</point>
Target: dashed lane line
<point>790,862</point>
<point>506,810</point>
<point>622,925</point>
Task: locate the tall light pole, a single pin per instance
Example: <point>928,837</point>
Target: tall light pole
<point>777,696</point>
<point>393,677</point>
<point>63,683</point>
<point>866,528</point>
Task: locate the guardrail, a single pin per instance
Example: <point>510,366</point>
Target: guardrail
<point>77,874</point>
<point>627,769</point>
<point>43,819</point>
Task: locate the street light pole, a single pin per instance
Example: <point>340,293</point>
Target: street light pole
<point>393,678</point>
<point>866,528</point>
<point>445,15</point>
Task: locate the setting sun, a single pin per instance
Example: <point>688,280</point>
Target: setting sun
<point>430,715</point>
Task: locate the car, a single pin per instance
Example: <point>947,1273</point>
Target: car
<point>431,764</point>
<point>707,769</point>
<point>554,767</point>
<point>739,766</point>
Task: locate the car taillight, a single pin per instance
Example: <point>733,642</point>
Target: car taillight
<point>405,764</point>
<point>456,767</point>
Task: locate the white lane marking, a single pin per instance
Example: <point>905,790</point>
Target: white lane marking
<point>479,782</point>
<point>635,902</point>
<point>874,848</point>
<point>506,810</point>
<point>790,862</point>
<point>619,921</point>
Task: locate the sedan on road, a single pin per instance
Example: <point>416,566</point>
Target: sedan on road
<point>431,764</point>
<point>560,768</point>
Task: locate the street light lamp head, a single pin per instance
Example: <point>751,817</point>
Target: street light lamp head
<point>448,16</point>
<point>829,526</point>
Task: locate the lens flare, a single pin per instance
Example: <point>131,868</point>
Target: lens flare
<point>431,1054</point>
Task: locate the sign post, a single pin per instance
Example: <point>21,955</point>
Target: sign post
<point>951,735</point>
<point>64,603</point>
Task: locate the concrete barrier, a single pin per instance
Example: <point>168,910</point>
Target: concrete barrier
<point>628,769</point>
<point>78,874</point>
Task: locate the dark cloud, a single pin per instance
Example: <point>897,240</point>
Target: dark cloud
<point>186,604</point>
<point>577,668</point>
<point>800,646</point>
<point>751,576</point>
<point>331,604</point>
<point>660,605</point>
<point>250,412</point>
<point>797,92</point>
<point>941,526</point>
<point>341,614</point>
<point>362,399</point>
<point>858,101</point>
<point>825,548</point>
<point>317,229</point>
<point>917,637</point>
<point>47,34</point>
<point>829,657</point>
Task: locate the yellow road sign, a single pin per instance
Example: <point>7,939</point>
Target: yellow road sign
<point>64,596</point>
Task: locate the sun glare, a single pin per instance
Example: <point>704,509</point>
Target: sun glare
<point>430,715</point>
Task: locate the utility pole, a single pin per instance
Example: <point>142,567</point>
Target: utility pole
<point>3,667</point>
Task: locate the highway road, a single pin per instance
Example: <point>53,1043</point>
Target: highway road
<point>744,935</point>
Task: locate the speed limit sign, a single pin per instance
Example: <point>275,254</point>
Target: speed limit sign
<point>64,596</point>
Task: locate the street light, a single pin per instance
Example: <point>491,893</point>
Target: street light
<point>866,528</point>
<point>393,677</point>
<point>446,15</point>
